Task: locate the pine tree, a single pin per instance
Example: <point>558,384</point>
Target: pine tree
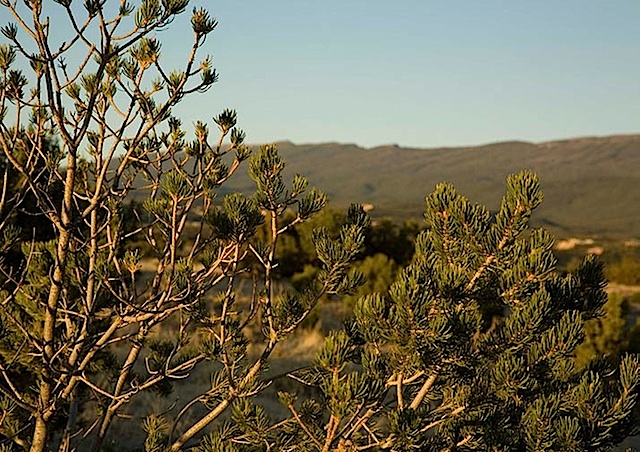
<point>472,348</point>
<point>84,331</point>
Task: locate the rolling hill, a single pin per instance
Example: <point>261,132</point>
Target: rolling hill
<point>591,185</point>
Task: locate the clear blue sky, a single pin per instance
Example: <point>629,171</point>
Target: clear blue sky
<point>426,73</point>
<point>418,72</point>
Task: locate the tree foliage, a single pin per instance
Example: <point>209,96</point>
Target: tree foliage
<point>426,366</point>
<point>80,319</point>
<point>609,334</point>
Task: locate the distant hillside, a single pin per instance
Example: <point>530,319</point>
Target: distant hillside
<point>591,185</point>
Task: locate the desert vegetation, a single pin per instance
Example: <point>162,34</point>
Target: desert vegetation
<point>148,305</point>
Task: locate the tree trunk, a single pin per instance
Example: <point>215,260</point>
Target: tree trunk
<point>48,333</point>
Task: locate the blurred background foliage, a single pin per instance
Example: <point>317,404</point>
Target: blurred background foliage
<point>389,247</point>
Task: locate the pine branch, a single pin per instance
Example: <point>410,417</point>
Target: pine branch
<point>424,390</point>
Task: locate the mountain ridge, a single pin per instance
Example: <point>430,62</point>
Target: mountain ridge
<point>591,184</point>
<point>581,138</point>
